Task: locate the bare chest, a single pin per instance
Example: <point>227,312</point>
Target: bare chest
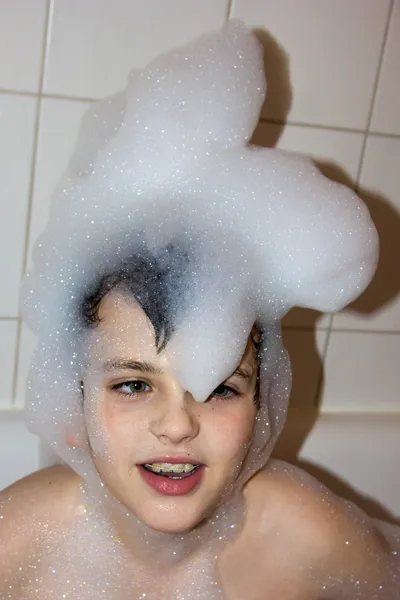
<point>239,572</point>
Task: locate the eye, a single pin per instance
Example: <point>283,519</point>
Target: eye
<point>223,391</point>
<point>131,388</point>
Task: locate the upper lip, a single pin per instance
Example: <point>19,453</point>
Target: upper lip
<point>173,460</point>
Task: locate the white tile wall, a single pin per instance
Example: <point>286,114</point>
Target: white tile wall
<point>333,74</point>
<point>59,125</point>
<point>362,372</point>
<point>8,341</point>
<point>26,347</point>
<point>95,43</point>
<point>386,114</point>
<point>338,153</point>
<point>355,455</point>
<point>19,449</point>
<point>22,26</point>
<point>17,118</point>
<point>333,49</point>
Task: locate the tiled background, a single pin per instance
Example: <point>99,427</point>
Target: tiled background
<point>333,69</point>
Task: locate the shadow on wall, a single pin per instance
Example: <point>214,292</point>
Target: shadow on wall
<point>382,290</point>
<point>279,90</point>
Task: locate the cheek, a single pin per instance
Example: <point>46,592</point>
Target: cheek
<point>111,429</point>
<point>112,419</point>
<point>231,429</point>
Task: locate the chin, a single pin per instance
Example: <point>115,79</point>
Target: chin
<point>162,526</point>
<point>173,521</point>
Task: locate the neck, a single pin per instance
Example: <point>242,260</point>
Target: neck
<point>149,547</point>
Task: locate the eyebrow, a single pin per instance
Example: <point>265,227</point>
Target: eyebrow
<point>133,365</point>
<point>148,367</point>
<point>246,375</point>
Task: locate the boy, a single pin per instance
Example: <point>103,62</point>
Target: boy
<point>175,464</point>
<point>171,253</point>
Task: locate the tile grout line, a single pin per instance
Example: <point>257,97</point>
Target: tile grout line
<point>388,135</point>
<point>338,129</point>
<point>374,94</point>
<point>49,95</point>
<point>267,121</point>
<point>332,329</point>
<point>366,331</point>
<point>229,9</point>
<point>35,141</point>
<point>53,96</point>
<point>11,92</point>
<point>281,123</point>
<point>321,373</point>
<point>365,412</point>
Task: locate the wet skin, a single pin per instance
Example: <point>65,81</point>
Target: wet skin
<point>290,546</point>
<point>136,412</point>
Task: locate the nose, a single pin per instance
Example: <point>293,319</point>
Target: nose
<point>175,420</point>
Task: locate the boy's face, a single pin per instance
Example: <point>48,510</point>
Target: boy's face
<point>138,414</point>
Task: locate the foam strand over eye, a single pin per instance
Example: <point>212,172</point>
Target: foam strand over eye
<point>165,164</point>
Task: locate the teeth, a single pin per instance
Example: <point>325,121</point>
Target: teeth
<point>171,468</point>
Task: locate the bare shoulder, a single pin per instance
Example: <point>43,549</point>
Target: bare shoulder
<point>287,503</point>
<point>332,536</point>
<point>51,490</point>
<point>283,491</point>
<point>30,506</point>
<point>293,497</point>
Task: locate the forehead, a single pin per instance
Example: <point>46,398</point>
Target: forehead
<point>124,331</point>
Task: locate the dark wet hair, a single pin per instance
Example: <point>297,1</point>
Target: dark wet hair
<point>257,344</point>
<point>155,282</point>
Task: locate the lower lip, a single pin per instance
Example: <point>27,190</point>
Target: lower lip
<point>172,487</point>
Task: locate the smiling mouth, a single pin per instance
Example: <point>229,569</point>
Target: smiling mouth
<point>172,471</point>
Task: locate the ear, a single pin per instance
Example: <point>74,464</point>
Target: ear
<point>75,434</point>
<point>74,437</point>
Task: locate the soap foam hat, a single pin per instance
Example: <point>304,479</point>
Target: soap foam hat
<point>168,161</point>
